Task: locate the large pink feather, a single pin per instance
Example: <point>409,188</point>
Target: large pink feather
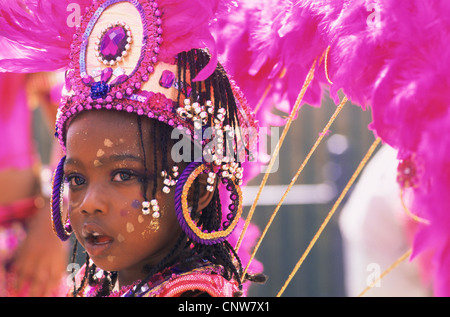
<point>38,33</point>
<point>273,43</point>
<point>187,25</point>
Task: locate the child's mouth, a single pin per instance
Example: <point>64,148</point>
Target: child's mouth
<point>97,238</point>
<point>96,242</point>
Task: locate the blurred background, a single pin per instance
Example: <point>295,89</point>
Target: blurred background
<point>309,201</point>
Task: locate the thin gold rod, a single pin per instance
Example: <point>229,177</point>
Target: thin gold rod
<point>330,214</point>
<point>298,102</point>
<point>409,213</point>
<point>327,52</point>
<point>294,179</point>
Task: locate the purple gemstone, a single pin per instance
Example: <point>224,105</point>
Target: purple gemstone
<point>119,80</point>
<point>113,43</point>
<point>167,79</point>
<point>106,74</point>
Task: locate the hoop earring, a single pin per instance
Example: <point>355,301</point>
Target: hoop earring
<point>190,173</point>
<point>63,231</point>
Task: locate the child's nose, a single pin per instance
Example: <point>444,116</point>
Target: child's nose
<point>95,200</point>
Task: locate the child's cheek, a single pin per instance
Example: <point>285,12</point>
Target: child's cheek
<point>135,223</point>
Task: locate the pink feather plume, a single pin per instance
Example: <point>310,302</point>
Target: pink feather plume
<point>389,56</point>
<point>260,45</point>
<point>38,33</point>
<point>393,56</point>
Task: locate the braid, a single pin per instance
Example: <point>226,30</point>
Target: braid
<point>74,255</point>
<point>155,161</point>
<point>144,180</point>
<point>86,275</point>
<point>211,216</point>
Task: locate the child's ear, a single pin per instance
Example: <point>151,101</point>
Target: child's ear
<point>204,196</point>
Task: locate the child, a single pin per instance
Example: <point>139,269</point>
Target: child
<point>153,223</point>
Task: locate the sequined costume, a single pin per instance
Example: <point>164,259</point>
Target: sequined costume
<point>204,280</point>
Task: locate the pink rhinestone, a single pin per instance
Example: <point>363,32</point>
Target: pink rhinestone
<point>120,79</point>
<point>106,74</point>
<point>130,109</point>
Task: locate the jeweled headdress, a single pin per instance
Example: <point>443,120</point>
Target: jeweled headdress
<point>125,55</point>
<point>119,62</point>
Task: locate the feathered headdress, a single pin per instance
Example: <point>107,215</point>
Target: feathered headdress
<point>124,55</point>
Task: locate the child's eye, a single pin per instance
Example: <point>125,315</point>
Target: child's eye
<point>123,176</point>
<point>75,180</point>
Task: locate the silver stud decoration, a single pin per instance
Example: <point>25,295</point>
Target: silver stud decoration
<point>169,180</point>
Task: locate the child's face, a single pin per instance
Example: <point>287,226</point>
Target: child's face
<point>103,165</point>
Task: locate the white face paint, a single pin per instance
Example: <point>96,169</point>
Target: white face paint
<point>108,143</point>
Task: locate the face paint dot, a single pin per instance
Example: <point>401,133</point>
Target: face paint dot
<point>135,204</point>
<point>124,212</point>
<point>97,163</point>
<point>140,218</point>
<point>120,238</point>
<point>100,152</point>
<point>107,143</point>
<point>130,227</point>
<point>111,258</point>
